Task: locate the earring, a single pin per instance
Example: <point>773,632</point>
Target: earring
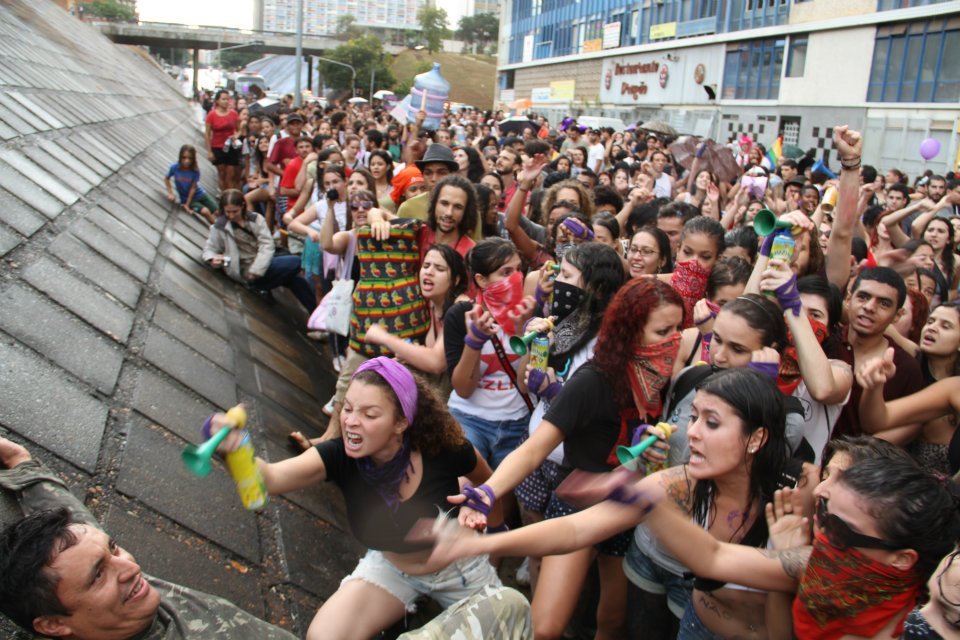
<point>754,450</point>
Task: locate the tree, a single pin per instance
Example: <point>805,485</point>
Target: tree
<point>109,9</point>
<point>347,28</point>
<point>479,29</point>
<point>365,54</point>
<point>433,22</point>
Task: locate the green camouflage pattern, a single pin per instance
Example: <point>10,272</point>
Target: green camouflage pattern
<point>496,612</point>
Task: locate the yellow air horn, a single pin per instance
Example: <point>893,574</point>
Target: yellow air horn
<point>197,457</point>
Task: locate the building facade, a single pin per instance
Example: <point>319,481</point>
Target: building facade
<point>722,68</point>
<point>382,17</point>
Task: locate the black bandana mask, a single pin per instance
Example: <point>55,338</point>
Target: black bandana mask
<point>566,299</point>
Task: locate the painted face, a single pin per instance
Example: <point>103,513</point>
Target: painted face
<point>643,255</point>
<point>936,234</point>
<point>378,167</point>
<point>699,247</point>
<point>941,334</point>
<point>734,341</point>
<point>718,446</point>
<point>451,205</point>
<point>494,185</point>
<point>663,322</point>
<point>371,426</point>
<point>435,278</point>
<point>673,227</point>
<point>101,584</point>
<point>872,307</point>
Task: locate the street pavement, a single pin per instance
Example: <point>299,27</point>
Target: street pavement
<point>116,341</point>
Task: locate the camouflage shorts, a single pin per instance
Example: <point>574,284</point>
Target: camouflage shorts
<point>495,612</point>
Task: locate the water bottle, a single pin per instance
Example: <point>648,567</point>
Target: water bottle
<point>246,475</point>
<point>430,91</point>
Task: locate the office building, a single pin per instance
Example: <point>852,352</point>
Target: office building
<point>387,18</point>
<point>723,68</point>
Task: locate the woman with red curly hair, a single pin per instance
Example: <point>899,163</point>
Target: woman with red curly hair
<point>597,409</point>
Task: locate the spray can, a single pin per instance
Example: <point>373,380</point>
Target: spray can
<point>539,351</point>
<point>243,465</point>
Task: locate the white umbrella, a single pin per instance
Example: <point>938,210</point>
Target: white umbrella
<point>383,93</point>
<point>357,100</point>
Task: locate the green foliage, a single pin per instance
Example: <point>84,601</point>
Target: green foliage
<point>365,54</point>
<point>433,21</point>
<point>347,28</point>
<point>237,59</point>
<point>109,9</point>
<point>480,29</point>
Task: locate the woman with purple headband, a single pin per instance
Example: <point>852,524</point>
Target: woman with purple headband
<point>400,456</point>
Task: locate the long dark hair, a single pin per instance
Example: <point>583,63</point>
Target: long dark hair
<point>947,254</point>
<point>386,157</point>
<point>458,273</point>
<point>763,316</point>
<point>469,221</point>
<point>489,255</point>
<point>475,169</point>
<point>191,151</point>
<point>758,403</point>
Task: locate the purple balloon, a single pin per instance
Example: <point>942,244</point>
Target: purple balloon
<point>929,148</point>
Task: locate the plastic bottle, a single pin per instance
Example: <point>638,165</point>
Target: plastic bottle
<point>437,90</point>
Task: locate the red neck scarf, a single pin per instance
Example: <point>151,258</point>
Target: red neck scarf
<point>500,298</point>
<point>650,371</point>
<point>846,592</point>
<point>690,281</point>
<point>789,377</point>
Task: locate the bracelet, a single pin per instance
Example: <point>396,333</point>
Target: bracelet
<point>473,343</point>
<point>500,528</point>
<point>539,298</point>
<point>207,428</point>
<point>769,369</point>
<point>475,500</point>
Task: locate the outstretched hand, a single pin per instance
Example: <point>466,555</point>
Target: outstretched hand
<point>785,520</point>
<point>876,371</point>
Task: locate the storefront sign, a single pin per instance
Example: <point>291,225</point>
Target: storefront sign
<point>665,30</point>
<point>611,35</point>
<point>590,46</point>
<point>528,48</point>
<point>562,90</point>
<point>646,78</point>
<point>541,94</point>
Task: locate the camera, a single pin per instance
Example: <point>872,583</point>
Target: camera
<point>333,195</point>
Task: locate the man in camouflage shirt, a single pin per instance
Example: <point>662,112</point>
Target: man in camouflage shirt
<point>61,575</point>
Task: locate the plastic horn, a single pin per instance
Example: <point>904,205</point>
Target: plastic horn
<point>766,222</point>
<point>520,345</point>
<point>197,458</point>
<point>627,454</point>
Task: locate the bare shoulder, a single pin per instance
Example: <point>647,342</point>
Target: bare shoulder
<point>672,484</point>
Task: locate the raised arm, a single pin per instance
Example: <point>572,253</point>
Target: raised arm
<point>526,179</point>
<point>876,415</point>
<point>299,472</point>
<point>428,359</point>
<point>849,144</point>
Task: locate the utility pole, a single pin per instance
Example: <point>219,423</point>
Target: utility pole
<point>298,94</point>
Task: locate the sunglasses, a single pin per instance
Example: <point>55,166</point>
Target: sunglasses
<point>840,534</point>
<point>365,205</point>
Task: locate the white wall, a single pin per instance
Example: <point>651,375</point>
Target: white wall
<point>837,70</point>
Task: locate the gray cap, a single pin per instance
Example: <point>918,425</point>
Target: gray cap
<point>438,152</point>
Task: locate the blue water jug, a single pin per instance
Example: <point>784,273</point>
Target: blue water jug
<point>437,91</point>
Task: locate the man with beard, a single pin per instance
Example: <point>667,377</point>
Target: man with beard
<point>436,164</point>
<point>451,216</point>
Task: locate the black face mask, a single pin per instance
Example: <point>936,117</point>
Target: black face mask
<point>566,298</point>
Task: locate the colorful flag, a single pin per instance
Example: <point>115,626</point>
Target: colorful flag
<point>775,151</point>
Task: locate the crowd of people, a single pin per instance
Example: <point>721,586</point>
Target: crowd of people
<point>784,342</point>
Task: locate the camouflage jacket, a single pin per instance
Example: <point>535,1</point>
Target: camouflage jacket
<point>184,614</point>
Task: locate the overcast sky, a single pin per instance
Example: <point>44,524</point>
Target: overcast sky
<point>234,13</point>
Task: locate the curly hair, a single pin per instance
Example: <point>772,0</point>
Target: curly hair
<point>469,220</point>
<point>623,322</point>
<point>550,197</point>
<point>434,429</point>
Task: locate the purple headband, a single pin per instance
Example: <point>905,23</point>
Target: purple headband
<point>400,380</point>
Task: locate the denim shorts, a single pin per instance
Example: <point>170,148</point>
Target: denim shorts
<point>458,580</point>
<point>652,578</point>
<point>691,627</point>
<point>494,439</point>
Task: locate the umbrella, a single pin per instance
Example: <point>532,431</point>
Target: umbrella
<point>659,126</point>
<point>716,157</point>
<point>791,151</point>
<point>521,104</point>
<point>265,106</point>
<point>383,93</point>
<point>516,125</point>
<point>357,100</point>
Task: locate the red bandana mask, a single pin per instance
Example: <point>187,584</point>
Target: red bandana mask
<point>690,281</point>
<point>847,592</point>
<point>650,371</point>
<point>500,298</point>
<point>789,377</point>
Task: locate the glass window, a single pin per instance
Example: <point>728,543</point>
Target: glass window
<point>948,83</point>
<point>797,59</point>
<point>752,70</point>
<point>912,62</point>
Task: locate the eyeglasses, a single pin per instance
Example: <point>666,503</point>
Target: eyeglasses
<point>841,536</point>
<point>365,205</point>
<point>646,252</point>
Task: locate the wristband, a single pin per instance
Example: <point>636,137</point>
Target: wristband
<point>500,528</point>
<point>552,390</point>
<point>475,500</point>
<point>207,428</point>
<point>714,310</point>
<point>539,299</point>
<point>768,242</point>
<point>789,296</point>
<point>473,343</point>
<point>769,369</point>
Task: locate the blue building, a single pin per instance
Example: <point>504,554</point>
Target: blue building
<point>890,68</point>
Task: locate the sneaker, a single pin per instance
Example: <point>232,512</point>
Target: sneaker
<point>317,336</point>
<point>328,408</point>
<point>523,573</point>
<point>337,361</point>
